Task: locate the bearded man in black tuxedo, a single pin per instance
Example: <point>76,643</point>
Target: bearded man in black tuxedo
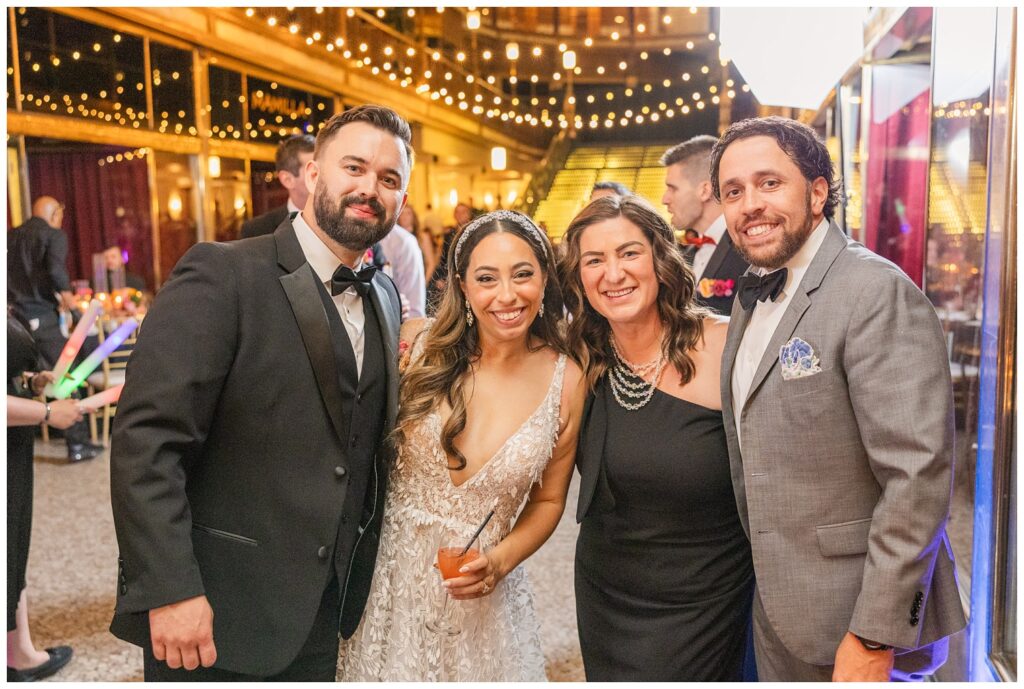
<point>249,459</point>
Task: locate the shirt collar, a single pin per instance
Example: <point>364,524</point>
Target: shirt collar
<point>320,258</point>
<point>292,208</point>
<point>716,230</point>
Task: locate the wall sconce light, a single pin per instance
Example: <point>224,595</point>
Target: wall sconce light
<point>499,158</point>
<point>213,166</point>
<point>174,205</point>
<point>512,51</point>
<point>473,20</point>
<point>569,59</point>
<point>488,199</point>
<point>453,198</point>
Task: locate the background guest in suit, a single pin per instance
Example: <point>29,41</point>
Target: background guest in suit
<point>114,258</point>
<point>602,189</point>
<point>838,409</point>
<point>38,289</point>
<point>248,463</point>
<point>663,571</point>
<point>463,215</point>
<point>689,199</point>
<point>292,156</point>
<point>24,662</point>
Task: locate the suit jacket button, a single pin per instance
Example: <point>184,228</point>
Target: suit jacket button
<point>124,590</point>
<point>339,471</point>
<point>359,398</point>
<point>355,438</point>
<point>322,552</point>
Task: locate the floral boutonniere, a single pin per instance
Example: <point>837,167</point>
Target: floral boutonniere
<point>710,287</point>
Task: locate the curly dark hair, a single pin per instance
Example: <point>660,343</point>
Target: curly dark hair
<point>588,333</point>
<point>800,143</point>
<point>452,345</point>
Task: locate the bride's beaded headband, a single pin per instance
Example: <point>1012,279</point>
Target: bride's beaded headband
<point>512,216</point>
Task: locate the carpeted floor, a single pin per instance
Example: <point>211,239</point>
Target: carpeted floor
<point>73,568</point>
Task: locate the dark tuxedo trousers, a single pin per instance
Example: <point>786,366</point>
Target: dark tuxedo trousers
<point>249,462</point>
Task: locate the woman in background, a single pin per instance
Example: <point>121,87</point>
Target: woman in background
<point>408,220</point>
<point>24,662</point>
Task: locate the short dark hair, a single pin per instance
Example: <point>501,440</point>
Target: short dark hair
<point>800,143</point>
<point>694,155</point>
<point>287,157</point>
<point>617,187</point>
<point>379,116</point>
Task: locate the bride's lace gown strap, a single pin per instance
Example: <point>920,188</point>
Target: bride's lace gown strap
<point>500,638</point>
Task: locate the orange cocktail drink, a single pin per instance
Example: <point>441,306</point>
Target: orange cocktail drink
<point>450,560</point>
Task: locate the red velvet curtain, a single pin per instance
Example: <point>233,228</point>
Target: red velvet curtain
<point>897,169</point>
<point>103,205</point>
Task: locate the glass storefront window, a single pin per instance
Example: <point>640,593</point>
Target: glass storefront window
<point>955,247</point>
<point>226,103</point>
<point>229,193</point>
<point>896,173</point>
<point>173,92</point>
<point>73,68</point>
<point>277,111</point>
<point>179,216</point>
<point>10,66</point>
<point>267,191</point>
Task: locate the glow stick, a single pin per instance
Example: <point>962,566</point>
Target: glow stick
<point>102,399</point>
<point>85,369</point>
<point>71,347</point>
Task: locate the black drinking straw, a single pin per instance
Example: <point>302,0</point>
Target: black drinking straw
<point>477,533</point>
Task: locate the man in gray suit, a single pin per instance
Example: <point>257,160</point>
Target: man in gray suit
<point>838,411</point>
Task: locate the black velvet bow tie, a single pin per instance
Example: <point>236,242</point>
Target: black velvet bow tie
<point>344,277</point>
<point>753,288</point>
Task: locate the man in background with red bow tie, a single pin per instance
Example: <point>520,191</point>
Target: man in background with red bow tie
<point>715,262</point>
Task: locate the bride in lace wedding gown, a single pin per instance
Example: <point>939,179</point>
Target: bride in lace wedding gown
<point>524,480</point>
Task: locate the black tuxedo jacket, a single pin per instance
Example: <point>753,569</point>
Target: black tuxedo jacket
<point>725,264</point>
<point>231,459</point>
<point>266,223</point>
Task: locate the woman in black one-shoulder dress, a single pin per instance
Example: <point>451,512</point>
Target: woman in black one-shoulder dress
<point>664,576</point>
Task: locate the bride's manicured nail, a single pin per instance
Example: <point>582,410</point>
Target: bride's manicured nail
<point>464,569</point>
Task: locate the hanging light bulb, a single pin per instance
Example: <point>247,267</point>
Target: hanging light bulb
<point>512,51</point>
<point>569,59</point>
<point>473,20</point>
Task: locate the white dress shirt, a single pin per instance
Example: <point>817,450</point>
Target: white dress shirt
<point>292,208</point>
<point>350,305</point>
<point>765,319</point>
<point>703,255</point>
<point>405,266</point>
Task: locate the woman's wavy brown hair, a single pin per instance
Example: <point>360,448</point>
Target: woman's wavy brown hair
<point>589,333</point>
<point>452,345</point>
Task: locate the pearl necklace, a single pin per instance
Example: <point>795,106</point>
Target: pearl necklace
<point>627,379</point>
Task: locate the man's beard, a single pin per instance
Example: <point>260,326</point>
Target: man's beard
<point>791,242</point>
<point>352,233</point>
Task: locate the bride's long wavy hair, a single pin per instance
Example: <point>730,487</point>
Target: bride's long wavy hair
<point>452,345</point>
<point>589,333</point>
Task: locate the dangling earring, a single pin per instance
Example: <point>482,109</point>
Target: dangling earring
<point>540,313</point>
<point>469,315</point>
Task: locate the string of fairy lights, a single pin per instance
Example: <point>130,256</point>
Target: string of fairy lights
<point>459,80</point>
<point>468,78</point>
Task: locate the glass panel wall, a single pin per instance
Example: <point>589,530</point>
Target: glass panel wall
<point>229,193</point>
<point>277,111</point>
<point>227,103</point>
<point>73,68</point>
<point>173,89</point>
<point>896,175</point>
<point>178,207</point>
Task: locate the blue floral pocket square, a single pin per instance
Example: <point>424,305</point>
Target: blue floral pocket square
<point>798,360</point>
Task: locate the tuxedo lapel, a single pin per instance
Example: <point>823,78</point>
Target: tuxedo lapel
<point>737,326</point>
<point>389,326</point>
<point>302,289</point>
<point>835,241</point>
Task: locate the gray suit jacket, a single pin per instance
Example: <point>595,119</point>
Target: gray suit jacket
<point>844,481</point>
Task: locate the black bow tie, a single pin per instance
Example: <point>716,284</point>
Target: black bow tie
<point>753,288</point>
<point>344,277</point>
